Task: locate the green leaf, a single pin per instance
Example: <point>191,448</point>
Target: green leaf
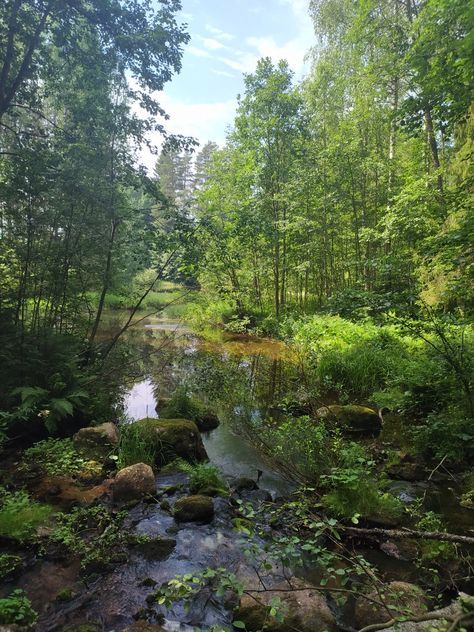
<point>240,625</point>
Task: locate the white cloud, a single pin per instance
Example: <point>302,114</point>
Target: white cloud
<point>211,43</point>
<point>202,121</point>
<point>198,52</point>
<point>223,73</point>
<point>219,34</point>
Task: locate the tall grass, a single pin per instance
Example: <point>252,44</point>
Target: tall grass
<point>135,447</point>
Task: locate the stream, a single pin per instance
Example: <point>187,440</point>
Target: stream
<point>249,375</point>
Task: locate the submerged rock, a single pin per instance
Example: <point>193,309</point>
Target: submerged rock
<point>400,596</point>
<point>173,438</point>
<point>144,626</point>
<point>352,419</point>
<point>194,509</point>
<point>244,483</point>
<point>100,438</point>
<point>304,609</point>
<point>134,482</point>
<point>154,548</point>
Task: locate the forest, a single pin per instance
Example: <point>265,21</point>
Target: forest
<point>236,390</point>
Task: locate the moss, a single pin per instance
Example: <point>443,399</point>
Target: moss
<point>66,594</point>
<point>173,438</point>
<point>153,548</point>
<point>194,509</point>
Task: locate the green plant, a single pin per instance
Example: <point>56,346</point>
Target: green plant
<point>355,489</point>
<point>16,608</point>
<point>433,550</point>
<point>20,515</point>
<point>445,434</point>
<point>135,447</point>
<point>56,457</point>
<point>181,406</point>
<point>205,477</point>
<point>9,564</point>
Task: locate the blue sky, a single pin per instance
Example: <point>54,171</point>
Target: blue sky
<point>227,39</point>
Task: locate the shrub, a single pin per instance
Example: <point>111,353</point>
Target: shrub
<point>204,476</point>
<point>9,564</point>
<point>135,447</point>
<point>16,608</point>
<point>355,488</point>
<point>432,550</point>
<point>20,515</point>
<point>56,457</point>
<point>445,434</point>
<point>181,406</point>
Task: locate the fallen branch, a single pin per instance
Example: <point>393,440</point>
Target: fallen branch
<point>400,534</point>
<point>429,616</point>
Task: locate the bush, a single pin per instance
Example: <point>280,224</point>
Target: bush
<point>56,457</point>
<point>20,515</point>
<point>355,489</point>
<point>135,447</point>
<point>204,477</point>
<point>445,434</point>
<point>16,608</point>
<point>434,550</point>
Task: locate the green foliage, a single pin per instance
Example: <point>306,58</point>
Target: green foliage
<point>20,515</point>
<point>16,609</point>
<point>355,489</point>
<point>445,434</point>
<point>9,564</point>
<point>56,457</point>
<point>205,477</point>
<point>433,550</point>
<point>181,406</point>
<point>135,447</point>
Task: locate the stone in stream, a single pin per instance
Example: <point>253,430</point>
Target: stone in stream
<point>155,549</point>
<point>134,482</point>
<point>207,421</point>
<point>100,438</point>
<point>144,626</point>
<point>400,596</point>
<point>352,419</point>
<point>305,609</point>
<point>244,483</point>
<point>194,509</point>
<point>173,438</point>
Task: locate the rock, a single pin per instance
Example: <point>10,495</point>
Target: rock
<point>101,438</point>
<point>144,626</point>
<point>305,610</point>
<point>173,438</point>
<point>134,482</point>
<point>83,627</point>
<point>398,595</point>
<point>244,483</point>
<point>444,617</point>
<point>155,549</point>
<point>194,509</point>
<point>67,493</point>
<point>257,496</point>
<point>352,419</point>
<point>411,472</point>
<point>207,421</point>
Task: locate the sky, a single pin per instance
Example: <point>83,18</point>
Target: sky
<point>227,39</point>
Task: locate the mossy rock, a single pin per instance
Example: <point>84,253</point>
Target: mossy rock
<point>97,440</point>
<point>173,438</point>
<point>210,490</point>
<point>196,508</point>
<point>303,609</point>
<point>156,549</point>
<point>134,482</point>
<point>352,419</point>
<point>400,596</point>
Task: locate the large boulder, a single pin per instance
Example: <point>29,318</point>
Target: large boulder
<point>196,508</point>
<point>352,419</point>
<point>304,609</point>
<point>173,438</point>
<point>102,438</point>
<point>398,596</point>
<point>134,482</point>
